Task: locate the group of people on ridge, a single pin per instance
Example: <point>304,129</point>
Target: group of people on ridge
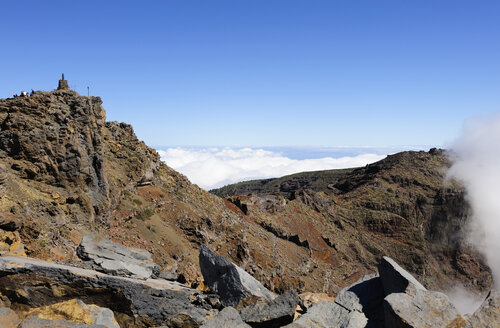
<point>25,94</point>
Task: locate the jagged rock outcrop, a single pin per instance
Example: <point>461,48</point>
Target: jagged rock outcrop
<point>229,281</point>
<point>34,283</point>
<point>116,259</point>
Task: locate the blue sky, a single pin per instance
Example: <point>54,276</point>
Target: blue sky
<point>265,73</point>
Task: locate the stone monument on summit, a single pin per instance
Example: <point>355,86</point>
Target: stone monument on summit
<point>63,84</point>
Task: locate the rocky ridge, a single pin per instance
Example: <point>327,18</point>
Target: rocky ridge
<point>66,173</point>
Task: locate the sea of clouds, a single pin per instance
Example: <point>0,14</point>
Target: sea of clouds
<point>216,167</point>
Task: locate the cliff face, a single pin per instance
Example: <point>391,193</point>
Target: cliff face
<point>65,172</point>
<point>57,138</point>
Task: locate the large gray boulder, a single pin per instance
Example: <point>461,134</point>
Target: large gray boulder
<point>394,278</point>
<point>366,296</point>
<point>228,280</point>
<point>329,315</point>
<point>227,318</point>
<point>488,314</point>
<point>34,283</point>
<point>276,313</point>
<point>418,308</point>
<point>117,259</point>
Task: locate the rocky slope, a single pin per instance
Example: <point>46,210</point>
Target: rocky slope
<point>65,173</point>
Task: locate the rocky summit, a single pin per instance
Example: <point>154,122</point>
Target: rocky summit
<point>96,231</point>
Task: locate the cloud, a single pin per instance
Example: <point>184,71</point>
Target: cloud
<point>465,300</point>
<point>476,158</point>
<point>214,167</point>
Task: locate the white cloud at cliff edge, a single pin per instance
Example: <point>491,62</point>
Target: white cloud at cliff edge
<point>214,167</point>
<point>477,163</point>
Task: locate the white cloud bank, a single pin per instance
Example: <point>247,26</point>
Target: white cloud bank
<point>214,167</point>
<point>476,163</point>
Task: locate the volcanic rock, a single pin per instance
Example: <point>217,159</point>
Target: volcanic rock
<point>420,308</point>
<point>394,278</point>
<point>276,313</point>
<point>329,315</point>
<point>74,311</point>
<point>228,280</point>
<point>227,318</point>
<point>116,259</point>
<point>488,314</point>
<point>366,296</point>
<point>35,283</point>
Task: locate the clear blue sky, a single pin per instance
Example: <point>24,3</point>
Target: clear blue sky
<point>265,73</point>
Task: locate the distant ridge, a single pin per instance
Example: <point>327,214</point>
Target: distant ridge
<point>286,185</point>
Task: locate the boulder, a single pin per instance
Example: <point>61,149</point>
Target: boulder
<point>34,283</point>
<point>76,311</point>
<point>8,318</point>
<point>366,296</point>
<point>488,314</point>
<point>394,278</point>
<point>227,318</point>
<point>116,259</point>
<point>276,313</point>
<point>228,280</point>
<point>420,308</point>
<point>329,315</point>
